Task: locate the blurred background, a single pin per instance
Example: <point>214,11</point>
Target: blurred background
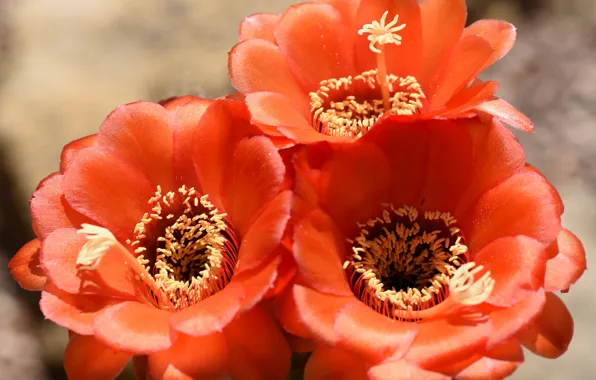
<point>64,65</point>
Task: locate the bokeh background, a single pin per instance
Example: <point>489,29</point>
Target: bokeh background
<point>64,65</point>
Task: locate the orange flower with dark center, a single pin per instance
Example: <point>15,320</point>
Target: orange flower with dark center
<point>331,69</point>
<point>157,240</point>
<point>427,249</point>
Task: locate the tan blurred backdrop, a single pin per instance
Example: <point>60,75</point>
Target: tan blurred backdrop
<point>64,65</point>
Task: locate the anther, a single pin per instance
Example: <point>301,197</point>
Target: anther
<point>403,266</point>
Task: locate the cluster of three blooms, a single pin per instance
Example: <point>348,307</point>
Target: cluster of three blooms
<point>184,234</point>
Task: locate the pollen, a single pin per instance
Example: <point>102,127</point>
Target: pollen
<point>381,33</point>
<point>184,249</point>
<point>411,265</point>
<point>350,106</point>
<point>194,253</point>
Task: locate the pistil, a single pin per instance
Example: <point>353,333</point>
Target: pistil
<point>381,34</point>
<point>382,77</point>
<point>100,242</point>
<point>350,106</point>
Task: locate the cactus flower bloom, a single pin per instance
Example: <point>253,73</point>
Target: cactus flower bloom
<point>157,240</point>
<point>430,250</point>
<point>330,69</point>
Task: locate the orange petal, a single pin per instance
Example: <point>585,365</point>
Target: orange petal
<point>220,128</point>
<point>498,156</point>
<point>318,312</point>
<point>49,209</point>
<point>442,24</point>
<point>371,335</point>
<point>466,61</point>
<point>524,204</point>
<point>308,135</point>
<point>499,34</point>
<point>550,334</point>
<point>252,179</point>
<point>25,267</point>
<point>135,327</point>
<point>347,8</point>
<point>507,114</point>
<point>443,341</point>
<point>113,277</point>
<point>451,151</point>
<point>141,134</point>
<point>568,265</point>
<point>269,356</point>
<point>365,171</point>
<point>327,363</point>
<point>59,251</point>
<point>286,312</point>
<point>406,146</point>
<point>211,314</point>
<point>517,264</point>
<point>274,112</point>
<point>308,179</point>
<point>257,282</point>
<point>402,370</point>
<point>250,63</point>
<point>190,358</point>
<point>468,98</point>
<point>76,313</point>
<point>320,253</point>
<point>286,270</point>
<point>260,25</point>
<point>86,358</point>
<point>508,321</point>
<point>72,148</point>
<point>186,112</point>
<point>97,183</point>
<point>58,257</point>
<point>402,60</point>
<point>316,44</point>
<point>498,363</point>
<point>265,234</point>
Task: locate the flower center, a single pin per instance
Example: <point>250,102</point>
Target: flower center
<point>184,250</point>
<point>405,265</point>
<point>350,106</point>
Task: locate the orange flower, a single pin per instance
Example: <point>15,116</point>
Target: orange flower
<point>331,68</point>
<point>427,249</point>
<point>180,214</point>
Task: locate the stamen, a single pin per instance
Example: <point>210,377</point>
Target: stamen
<point>381,34</point>
<point>350,106</point>
<point>184,249</point>
<point>337,112</point>
<point>195,253</point>
<point>403,266</point>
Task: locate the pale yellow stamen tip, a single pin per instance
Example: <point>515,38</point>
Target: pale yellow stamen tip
<point>99,241</point>
<point>382,34</point>
<point>467,291</point>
